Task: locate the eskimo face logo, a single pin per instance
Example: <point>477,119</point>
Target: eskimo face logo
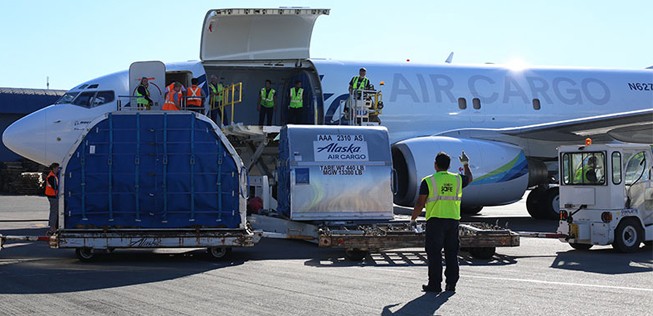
<point>334,148</point>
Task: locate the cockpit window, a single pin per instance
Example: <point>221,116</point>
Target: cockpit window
<point>93,98</point>
<point>67,98</point>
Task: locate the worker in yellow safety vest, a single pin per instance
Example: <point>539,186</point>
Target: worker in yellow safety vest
<point>143,100</point>
<point>52,193</point>
<point>173,98</point>
<point>216,95</point>
<point>587,173</point>
<point>359,82</point>
<point>296,105</point>
<point>195,97</point>
<point>441,194</point>
<point>266,101</point>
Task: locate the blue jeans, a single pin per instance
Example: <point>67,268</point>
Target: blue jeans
<point>442,233</point>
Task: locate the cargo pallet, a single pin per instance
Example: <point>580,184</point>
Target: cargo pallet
<point>360,239</point>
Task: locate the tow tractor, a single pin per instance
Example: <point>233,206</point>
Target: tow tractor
<point>606,195</point>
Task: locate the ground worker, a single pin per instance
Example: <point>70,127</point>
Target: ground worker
<point>216,93</point>
<point>266,101</point>
<point>195,97</point>
<point>173,98</point>
<point>296,105</point>
<point>359,82</point>
<point>52,192</point>
<point>143,95</point>
<point>181,92</point>
<point>441,194</point>
<point>587,173</point>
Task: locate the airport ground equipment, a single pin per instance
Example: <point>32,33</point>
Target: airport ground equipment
<point>606,195</point>
<point>334,187</point>
<point>152,179</point>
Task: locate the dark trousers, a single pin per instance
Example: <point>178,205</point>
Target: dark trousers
<point>53,219</point>
<point>442,233</point>
<point>265,113</point>
<point>295,115</point>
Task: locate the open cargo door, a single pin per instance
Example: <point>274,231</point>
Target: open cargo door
<point>155,72</point>
<point>258,34</point>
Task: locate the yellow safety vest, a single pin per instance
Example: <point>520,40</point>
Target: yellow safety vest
<point>217,91</point>
<point>267,99</point>
<point>581,175</point>
<point>296,98</point>
<point>359,86</point>
<point>141,100</point>
<point>445,193</point>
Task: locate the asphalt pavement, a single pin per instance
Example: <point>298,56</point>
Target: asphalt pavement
<point>285,277</point>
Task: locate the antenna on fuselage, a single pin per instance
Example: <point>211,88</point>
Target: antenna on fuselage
<point>47,82</point>
<point>449,59</point>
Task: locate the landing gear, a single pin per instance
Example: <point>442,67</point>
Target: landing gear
<point>85,254</point>
<point>471,210</point>
<point>544,203</point>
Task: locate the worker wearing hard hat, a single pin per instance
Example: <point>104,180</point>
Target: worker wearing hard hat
<point>441,194</point>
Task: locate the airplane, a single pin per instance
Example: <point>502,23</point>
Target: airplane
<point>508,121</point>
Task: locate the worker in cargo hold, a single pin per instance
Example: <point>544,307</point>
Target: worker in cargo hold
<point>143,95</point>
<point>296,105</point>
<point>587,173</point>
<point>216,93</point>
<point>52,193</point>
<point>173,98</point>
<point>195,97</point>
<point>266,101</point>
<point>180,92</point>
<point>441,194</point>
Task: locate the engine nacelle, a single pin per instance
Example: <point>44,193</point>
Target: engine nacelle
<point>500,170</point>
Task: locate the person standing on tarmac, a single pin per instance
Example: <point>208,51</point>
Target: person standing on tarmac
<point>441,194</point>
<point>143,95</point>
<point>52,192</point>
<point>296,106</point>
<point>266,101</point>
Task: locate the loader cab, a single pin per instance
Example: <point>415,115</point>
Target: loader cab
<point>246,47</point>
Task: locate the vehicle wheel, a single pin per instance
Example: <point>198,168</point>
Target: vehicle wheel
<point>85,254</point>
<point>628,235</point>
<point>551,204</point>
<point>217,253</point>
<point>356,254</point>
<point>578,246</point>
<point>533,202</point>
<point>471,210</point>
<point>482,252</point>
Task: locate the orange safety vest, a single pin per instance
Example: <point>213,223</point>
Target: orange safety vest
<point>194,95</point>
<point>49,190</point>
<point>171,104</point>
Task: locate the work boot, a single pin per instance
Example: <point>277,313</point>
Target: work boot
<point>450,288</point>
<point>431,288</point>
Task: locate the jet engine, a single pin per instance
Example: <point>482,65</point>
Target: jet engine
<point>500,170</point>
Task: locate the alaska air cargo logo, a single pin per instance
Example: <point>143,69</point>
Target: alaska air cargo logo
<point>340,148</point>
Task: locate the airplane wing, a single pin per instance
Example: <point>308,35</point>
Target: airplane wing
<point>630,127</point>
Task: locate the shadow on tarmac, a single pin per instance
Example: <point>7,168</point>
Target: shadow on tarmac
<point>427,304</point>
<point>605,261</point>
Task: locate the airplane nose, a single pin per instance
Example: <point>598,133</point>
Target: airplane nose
<point>27,137</point>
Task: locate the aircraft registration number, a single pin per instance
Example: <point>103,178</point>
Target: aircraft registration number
<point>641,86</point>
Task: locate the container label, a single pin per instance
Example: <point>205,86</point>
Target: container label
<point>340,148</point>
<point>342,170</point>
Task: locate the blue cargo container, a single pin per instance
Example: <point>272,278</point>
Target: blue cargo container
<point>154,170</point>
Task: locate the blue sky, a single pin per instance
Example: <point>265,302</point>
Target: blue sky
<point>74,41</point>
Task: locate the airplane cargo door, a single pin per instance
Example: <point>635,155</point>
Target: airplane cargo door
<point>155,72</point>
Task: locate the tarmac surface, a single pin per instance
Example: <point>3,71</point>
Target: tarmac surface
<point>283,277</point>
